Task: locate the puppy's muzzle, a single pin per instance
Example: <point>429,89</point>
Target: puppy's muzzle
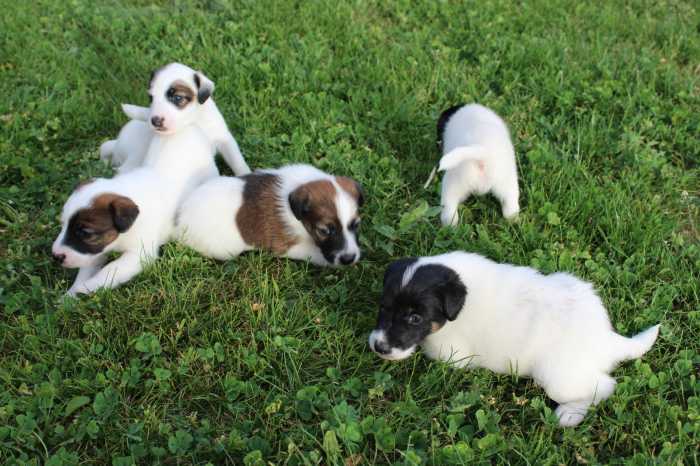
<point>381,347</point>
<point>158,122</point>
<point>347,259</point>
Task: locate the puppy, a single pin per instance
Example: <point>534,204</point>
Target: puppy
<point>296,211</point>
<point>180,96</point>
<point>131,214</point>
<point>473,312</point>
<point>478,157</point>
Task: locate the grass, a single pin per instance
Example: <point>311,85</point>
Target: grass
<point>263,360</point>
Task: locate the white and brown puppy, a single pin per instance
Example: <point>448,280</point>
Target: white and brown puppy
<point>478,158</point>
<point>131,214</point>
<point>474,312</point>
<point>295,211</point>
<point>180,96</point>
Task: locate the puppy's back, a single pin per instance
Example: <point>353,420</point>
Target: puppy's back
<point>206,219</point>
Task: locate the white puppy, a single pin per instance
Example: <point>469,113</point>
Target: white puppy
<point>478,157</point>
<point>180,96</point>
<point>474,312</point>
<point>132,213</point>
<point>296,211</point>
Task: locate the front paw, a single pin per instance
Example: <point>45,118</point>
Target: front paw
<point>77,289</point>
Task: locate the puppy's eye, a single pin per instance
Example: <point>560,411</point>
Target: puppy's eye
<point>177,99</point>
<point>84,232</point>
<point>355,224</point>
<point>327,230</point>
<point>415,319</point>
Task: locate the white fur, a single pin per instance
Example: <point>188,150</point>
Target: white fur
<point>206,219</point>
<point>478,157</point>
<point>174,165</point>
<point>552,328</point>
<point>128,151</point>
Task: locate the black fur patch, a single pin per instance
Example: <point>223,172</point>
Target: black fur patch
<point>442,122</point>
<point>435,293</point>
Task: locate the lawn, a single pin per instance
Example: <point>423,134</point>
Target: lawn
<point>263,360</point>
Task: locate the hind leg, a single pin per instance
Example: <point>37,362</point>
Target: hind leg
<point>507,193</point>
<point>575,393</point>
<point>453,193</point>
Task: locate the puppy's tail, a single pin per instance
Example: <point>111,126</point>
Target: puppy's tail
<point>634,347</point>
<point>459,155</point>
<point>135,112</point>
<point>107,150</point>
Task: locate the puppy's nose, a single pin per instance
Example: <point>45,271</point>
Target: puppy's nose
<point>347,259</point>
<point>157,121</point>
<point>381,347</point>
<point>59,257</point>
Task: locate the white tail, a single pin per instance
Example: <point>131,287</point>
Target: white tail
<point>135,112</point>
<point>634,347</point>
<point>107,149</point>
<point>459,155</point>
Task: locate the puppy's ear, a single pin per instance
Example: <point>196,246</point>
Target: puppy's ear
<point>394,273</point>
<point>124,212</point>
<point>299,202</point>
<point>205,87</point>
<point>453,293</point>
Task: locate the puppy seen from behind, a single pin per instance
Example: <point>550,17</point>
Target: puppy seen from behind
<point>473,312</point>
<point>295,211</point>
<point>477,158</point>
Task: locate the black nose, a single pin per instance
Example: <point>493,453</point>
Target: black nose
<point>59,258</point>
<point>157,121</point>
<point>381,347</point>
<point>346,259</point>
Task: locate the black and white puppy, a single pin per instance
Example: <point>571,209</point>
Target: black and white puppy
<point>180,96</point>
<point>295,211</point>
<point>478,157</point>
<point>474,312</point>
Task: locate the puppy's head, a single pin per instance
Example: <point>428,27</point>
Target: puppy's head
<point>417,301</point>
<point>177,93</point>
<point>329,211</point>
<point>91,222</point>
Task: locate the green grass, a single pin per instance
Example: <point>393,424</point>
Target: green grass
<point>263,360</point>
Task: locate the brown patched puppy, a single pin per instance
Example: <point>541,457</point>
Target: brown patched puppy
<point>295,211</point>
<point>130,214</point>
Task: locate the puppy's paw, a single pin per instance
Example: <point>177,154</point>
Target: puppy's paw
<point>77,289</point>
<point>512,217</point>
<point>449,217</point>
<point>570,414</point>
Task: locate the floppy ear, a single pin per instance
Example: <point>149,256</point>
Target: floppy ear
<point>397,268</point>
<point>124,213</point>
<point>205,87</point>
<point>299,203</point>
<point>453,293</point>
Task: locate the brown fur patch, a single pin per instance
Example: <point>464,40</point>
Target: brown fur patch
<point>434,327</point>
<point>319,196</point>
<point>91,229</point>
<point>352,187</point>
<point>259,219</point>
<point>183,90</point>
